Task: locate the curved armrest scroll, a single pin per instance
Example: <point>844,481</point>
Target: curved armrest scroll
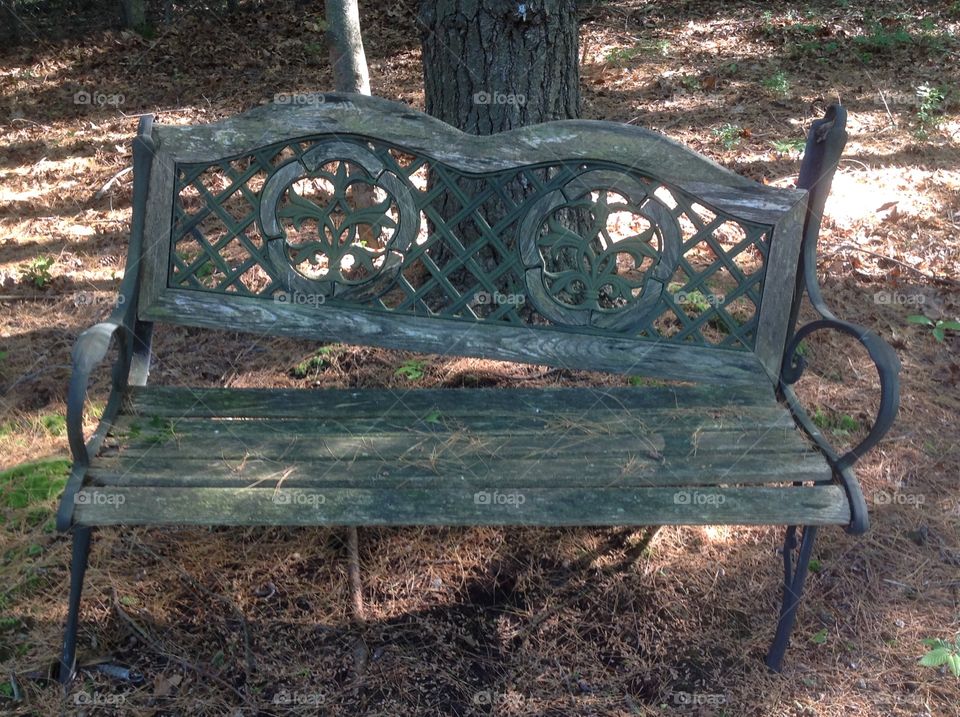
<point>888,369</point>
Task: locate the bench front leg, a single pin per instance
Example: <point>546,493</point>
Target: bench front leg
<point>78,568</point>
<point>794,576</point>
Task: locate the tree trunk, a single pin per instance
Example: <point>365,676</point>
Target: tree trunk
<point>492,65</point>
<point>347,58</point>
<point>134,13</point>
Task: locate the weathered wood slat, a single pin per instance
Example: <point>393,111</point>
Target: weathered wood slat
<point>821,505</point>
<point>599,470</point>
<point>533,345</point>
<point>599,423</point>
<point>458,447</point>
<point>407,404</point>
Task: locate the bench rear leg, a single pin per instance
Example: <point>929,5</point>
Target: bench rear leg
<point>794,575</point>
<point>78,566</point>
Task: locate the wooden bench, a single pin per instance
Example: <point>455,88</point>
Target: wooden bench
<point>574,244</point>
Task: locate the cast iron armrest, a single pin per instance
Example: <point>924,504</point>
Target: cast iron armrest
<point>825,143</point>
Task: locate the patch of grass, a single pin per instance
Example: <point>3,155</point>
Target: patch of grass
<point>840,424</point>
<point>882,40</point>
<point>54,423</point>
<point>412,370</point>
<point>728,135</point>
<point>37,271</point>
<point>31,483</point>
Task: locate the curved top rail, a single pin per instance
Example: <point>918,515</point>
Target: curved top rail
<point>348,115</point>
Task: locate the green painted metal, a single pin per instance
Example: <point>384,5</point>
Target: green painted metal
<point>286,222</point>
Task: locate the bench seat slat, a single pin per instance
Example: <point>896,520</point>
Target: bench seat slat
<point>373,454</point>
<point>821,505</point>
<point>404,402</point>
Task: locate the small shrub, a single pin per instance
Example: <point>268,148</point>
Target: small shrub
<point>411,370</point>
<point>37,271</point>
<point>728,135</point>
<point>943,652</point>
<point>778,83</point>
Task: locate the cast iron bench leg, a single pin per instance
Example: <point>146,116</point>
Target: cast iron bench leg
<point>794,575</point>
<point>78,566</point>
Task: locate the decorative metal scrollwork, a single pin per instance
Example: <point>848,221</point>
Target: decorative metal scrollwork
<point>577,273</point>
<point>336,260</point>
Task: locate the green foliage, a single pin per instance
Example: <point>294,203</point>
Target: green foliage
<point>37,271</point>
<point>412,370</point>
<point>929,109</point>
<point>728,135</point>
<point>644,381</point>
<point>820,637</point>
<point>164,430</point>
<point>938,328</point>
<point>815,566</point>
<point>786,146</point>
<point>778,83</point>
<point>943,652</point>
<point>35,482</point>
<point>314,364</point>
<point>54,423</point>
<point>840,424</point>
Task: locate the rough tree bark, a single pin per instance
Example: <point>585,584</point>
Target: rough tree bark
<point>350,74</point>
<point>492,65</point>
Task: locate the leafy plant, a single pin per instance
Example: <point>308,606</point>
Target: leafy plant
<point>943,652</point>
<point>412,370</point>
<point>728,135</point>
<point>819,638</point>
<point>786,146</point>
<point>778,83</point>
<point>928,111</point>
<point>37,271</point>
<point>314,364</point>
<point>938,328</point>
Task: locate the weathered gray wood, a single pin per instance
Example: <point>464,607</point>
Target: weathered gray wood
<point>346,115</point>
<point>778,288</point>
<point>527,344</point>
<point>705,468</point>
<point>821,505</point>
<point>406,404</point>
<point>154,265</point>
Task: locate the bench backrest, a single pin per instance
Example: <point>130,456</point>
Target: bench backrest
<point>579,244</point>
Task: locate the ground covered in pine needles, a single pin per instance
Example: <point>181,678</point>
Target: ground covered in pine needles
<point>494,621</point>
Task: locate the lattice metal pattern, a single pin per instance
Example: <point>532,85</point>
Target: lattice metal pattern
<point>351,222</point>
